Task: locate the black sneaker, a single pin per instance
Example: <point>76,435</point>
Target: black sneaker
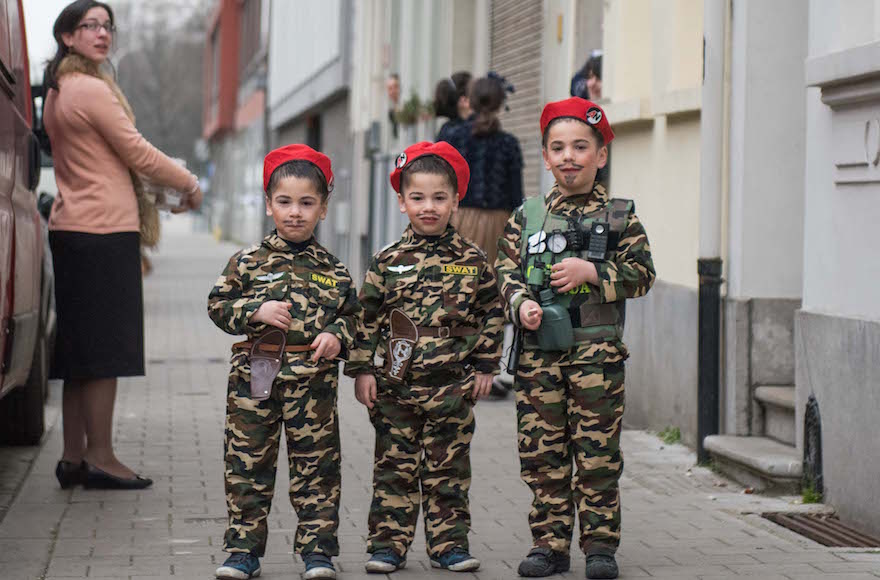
<point>601,567</point>
<point>543,562</point>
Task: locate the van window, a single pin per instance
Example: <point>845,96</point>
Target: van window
<point>5,52</point>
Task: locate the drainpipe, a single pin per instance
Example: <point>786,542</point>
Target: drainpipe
<point>709,264</point>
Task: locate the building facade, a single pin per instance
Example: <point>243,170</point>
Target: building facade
<point>235,74</point>
<point>837,330</point>
<point>747,134</point>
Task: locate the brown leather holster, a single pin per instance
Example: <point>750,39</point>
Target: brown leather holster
<point>401,345</point>
<point>267,353</point>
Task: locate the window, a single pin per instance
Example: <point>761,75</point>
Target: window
<point>251,25</point>
<point>215,72</point>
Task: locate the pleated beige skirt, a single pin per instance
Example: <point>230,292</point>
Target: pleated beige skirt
<point>482,226</point>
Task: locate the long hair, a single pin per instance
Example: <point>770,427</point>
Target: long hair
<point>486,96</point>
<point>66,23</point>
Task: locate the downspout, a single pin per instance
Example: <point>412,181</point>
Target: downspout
<point>709,265</point>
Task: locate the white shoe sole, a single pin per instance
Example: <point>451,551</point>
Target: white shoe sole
<point>383,567</point>
<point>319,573</point>
<point>229,573</point>
<point>466,566</point>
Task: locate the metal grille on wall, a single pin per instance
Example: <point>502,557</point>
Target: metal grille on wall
<point>515,53</point>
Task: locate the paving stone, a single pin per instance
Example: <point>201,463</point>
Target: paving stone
<point>680,521</point>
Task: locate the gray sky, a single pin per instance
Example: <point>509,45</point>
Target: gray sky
<point>39,16</point>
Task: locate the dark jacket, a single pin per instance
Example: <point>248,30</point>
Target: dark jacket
<point>495,161</point>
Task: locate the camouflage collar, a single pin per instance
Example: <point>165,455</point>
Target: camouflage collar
<point>589,201</point>
<point>278,244</point>
<point>411,238</point>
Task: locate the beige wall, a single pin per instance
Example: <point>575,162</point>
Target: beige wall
<point>652,82</point>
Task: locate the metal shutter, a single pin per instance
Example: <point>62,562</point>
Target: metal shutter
<point>515,53</point>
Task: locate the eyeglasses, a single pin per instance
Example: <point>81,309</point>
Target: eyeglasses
<point>94,26</point>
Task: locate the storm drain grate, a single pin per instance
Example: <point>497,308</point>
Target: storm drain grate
<point>823,528</point>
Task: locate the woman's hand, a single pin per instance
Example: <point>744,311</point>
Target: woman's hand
<point>482,385</point>
<point>530,314</point>
<point>326,346</point>
<point>365,390</point>
<point>274,313</point>
<point>194,199</point>
<point>571,273</point>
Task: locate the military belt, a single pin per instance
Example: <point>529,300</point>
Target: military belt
<point>447,331</point>
<point>270,348</point>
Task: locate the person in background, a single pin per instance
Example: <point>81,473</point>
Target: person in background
<point>94,233</point>
<point>587,82</point>
<point>495,160</point>
<point>451,101</point>
<point>392,87</point>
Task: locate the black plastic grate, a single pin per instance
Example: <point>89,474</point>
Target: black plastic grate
<point>823,528</point>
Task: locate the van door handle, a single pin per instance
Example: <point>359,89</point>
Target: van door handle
<point>34,162</point>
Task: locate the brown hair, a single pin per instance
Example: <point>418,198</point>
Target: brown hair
<point>447,93</point>
<point>66,23</point>
<point>303,169</point>
<point>433,164</point>
<point>600,141</point>
<point>486,96</point>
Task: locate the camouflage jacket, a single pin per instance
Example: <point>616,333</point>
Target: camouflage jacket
<point>629,273</point>
<point>443,281</point>
<point>317,285</point>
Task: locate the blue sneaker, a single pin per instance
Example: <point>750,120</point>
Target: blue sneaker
<point>239,566</point>
<point>457,560</point>
<point>384,561</point>
<point>318,566</point>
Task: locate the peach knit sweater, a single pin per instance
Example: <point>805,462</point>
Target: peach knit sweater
<point>94,144</point>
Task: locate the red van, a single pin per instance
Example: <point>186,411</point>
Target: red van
<point>26,283</point>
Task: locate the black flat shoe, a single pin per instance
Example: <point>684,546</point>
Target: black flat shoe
<point>99,479</point>
<point>70,474</point>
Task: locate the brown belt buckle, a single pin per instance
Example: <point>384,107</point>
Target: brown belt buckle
<point>444,332</point>
<point>267,352</point>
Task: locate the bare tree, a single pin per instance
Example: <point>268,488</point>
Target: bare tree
<point>160,71</point>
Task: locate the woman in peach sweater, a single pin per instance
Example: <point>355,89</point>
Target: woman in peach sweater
<point>94,234</point>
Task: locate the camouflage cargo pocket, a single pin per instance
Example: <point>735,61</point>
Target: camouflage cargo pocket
<point>271,286</point>
<point>326,303</point>
<point>458,294</point>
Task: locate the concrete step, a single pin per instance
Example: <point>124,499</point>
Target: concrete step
<point>758,462</point>
<point>777,403</point>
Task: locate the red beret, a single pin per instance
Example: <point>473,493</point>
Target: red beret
<point>441,149</point>
<point>296,152</point>
<point>581,109</point>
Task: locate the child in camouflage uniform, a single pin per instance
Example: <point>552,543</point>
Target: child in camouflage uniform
<point>291,283</point>
<point>584,255</point>
<point>424,423</point>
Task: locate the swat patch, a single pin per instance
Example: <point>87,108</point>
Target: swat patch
<point>326,281</point>
<point>460,270</point>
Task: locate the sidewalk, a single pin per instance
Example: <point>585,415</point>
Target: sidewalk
<point>679,521</point>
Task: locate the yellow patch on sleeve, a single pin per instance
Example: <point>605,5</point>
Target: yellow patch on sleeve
<point>323,280</point>
<point>460,270</point>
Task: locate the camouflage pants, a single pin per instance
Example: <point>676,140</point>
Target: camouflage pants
<point>307,410</point>
<point>423,437</point>
<point>569,421</point>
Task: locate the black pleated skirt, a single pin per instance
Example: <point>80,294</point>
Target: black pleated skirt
<point>100,305</point>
